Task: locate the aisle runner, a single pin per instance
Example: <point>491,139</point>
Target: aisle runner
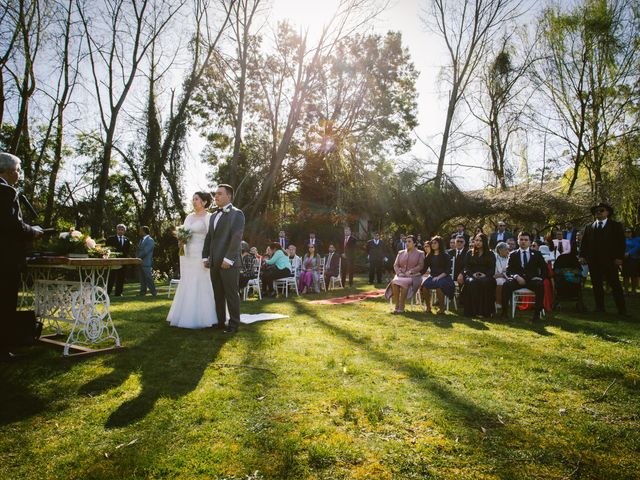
<point>350,298</point>
<point>260,317</point>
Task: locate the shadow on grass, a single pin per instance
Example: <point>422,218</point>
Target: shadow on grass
<point>165,369</point>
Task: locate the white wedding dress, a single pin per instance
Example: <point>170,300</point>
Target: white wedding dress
<point>193,305</point>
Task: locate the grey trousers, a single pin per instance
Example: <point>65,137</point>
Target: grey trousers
<point>226,293</point>
<point>146,281</point>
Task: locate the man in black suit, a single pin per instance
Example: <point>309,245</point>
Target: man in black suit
<point>331,264</point>
<point>500,235</point>
<point>570,234</point>
<point>603,247</point>
<point>121,244</point>
<point>457,259</point>
<point>283,240</point>
<point>221,254</point>
<point>526,269</point>
<point>348,256</point>
<point>460,231</point>
<point>315,241</point>
<point>376,254</point>
<point>15,235</point>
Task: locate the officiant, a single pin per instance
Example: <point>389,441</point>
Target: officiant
<point>15,235</point>
<point>121,244</point>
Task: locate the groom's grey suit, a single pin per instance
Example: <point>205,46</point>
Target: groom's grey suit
<point>223,243</point>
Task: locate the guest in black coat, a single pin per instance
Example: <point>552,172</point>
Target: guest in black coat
<point>438,264</point>
<point>526,269</point>
<point>376,253</point>
<point>331,264</point>
<point>478,293</point>
<point>457,256</point>
<point>348,256</point>
<point>460,231</point>
<point>570,233</point>
<point>121,244</point>
<point>603,247</point>
<point>500,235</point>
<point>15,235</point>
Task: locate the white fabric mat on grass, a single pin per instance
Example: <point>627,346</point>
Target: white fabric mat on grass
<point>260,317</point>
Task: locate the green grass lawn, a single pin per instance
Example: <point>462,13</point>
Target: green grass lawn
<point>347,391</point>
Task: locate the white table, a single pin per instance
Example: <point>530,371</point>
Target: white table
<point>73,291</point>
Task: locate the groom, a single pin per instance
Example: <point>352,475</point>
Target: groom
<point>221,254</point>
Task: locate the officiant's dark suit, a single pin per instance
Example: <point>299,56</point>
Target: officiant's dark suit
<point>603,247</point>
<point>121,244</point>
<point>15,235</point>
<point>223,245</point>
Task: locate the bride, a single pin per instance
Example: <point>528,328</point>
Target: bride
<point>193,305</point>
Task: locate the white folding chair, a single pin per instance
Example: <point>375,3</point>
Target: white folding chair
<point>286,282</point>
<point>521,297</point>
<point>338,278</point>
<point>173,285</point>
<point>321,282</point>
<point>254,283</point>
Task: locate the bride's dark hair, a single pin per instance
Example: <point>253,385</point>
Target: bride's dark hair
<point>206,198</point>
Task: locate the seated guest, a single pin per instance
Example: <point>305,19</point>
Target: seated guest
<point>452,244</point>
<point>276,267</point>
<point>560,245</point>
<point>457,256</point>
<point>631,262</point>
<point>419,242</point>
<point>502,260</point>
<point>254,251</point>
<point>438,264</point>
<point>511,243</point>
<point>296,261</point>
<point>309,272</point>
<point>526,269</point>
<point>408,267</point>
<point>331,264</point>
<point>247,269</point>
<point>500,235</point>
<point>479,283</point>
<point>534,246</point>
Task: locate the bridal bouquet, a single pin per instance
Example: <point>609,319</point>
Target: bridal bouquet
<point>183,235</point>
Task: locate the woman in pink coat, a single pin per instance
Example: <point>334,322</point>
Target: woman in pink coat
<point>408,267</point>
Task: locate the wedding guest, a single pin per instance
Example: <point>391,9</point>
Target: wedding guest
<point>526,269</point>
<point>145,253</point>
<point>502,261</point>
<point>438,265</point>
<point>452,243</point>
<point>460,232</point>
<point>276,267</point>
<point>534,246</point>
<point>376,254</point>
<point>479,282</point>
<point>348,257</point>
<point>296,261</point>
<point>315,241</point>
<point>570,234</point>
<point>248,267</point>
<point>511,243</point>
<point>408,267</point>
<point>631,262</point>
<point>331,264</point>
<point>402,243</point>
<point>457,256</point>
<point>121,244</point>
<point>254,251</point>
<point>309,273</point>
<point>603,248</point>
<point>419,242</point>
<point>15,236</point>
<point>560,244</point>
<point>500,235</point>
<point>283,240</point>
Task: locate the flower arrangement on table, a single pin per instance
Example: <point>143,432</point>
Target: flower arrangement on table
<point>183,234</point>
<point>75,243</point>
